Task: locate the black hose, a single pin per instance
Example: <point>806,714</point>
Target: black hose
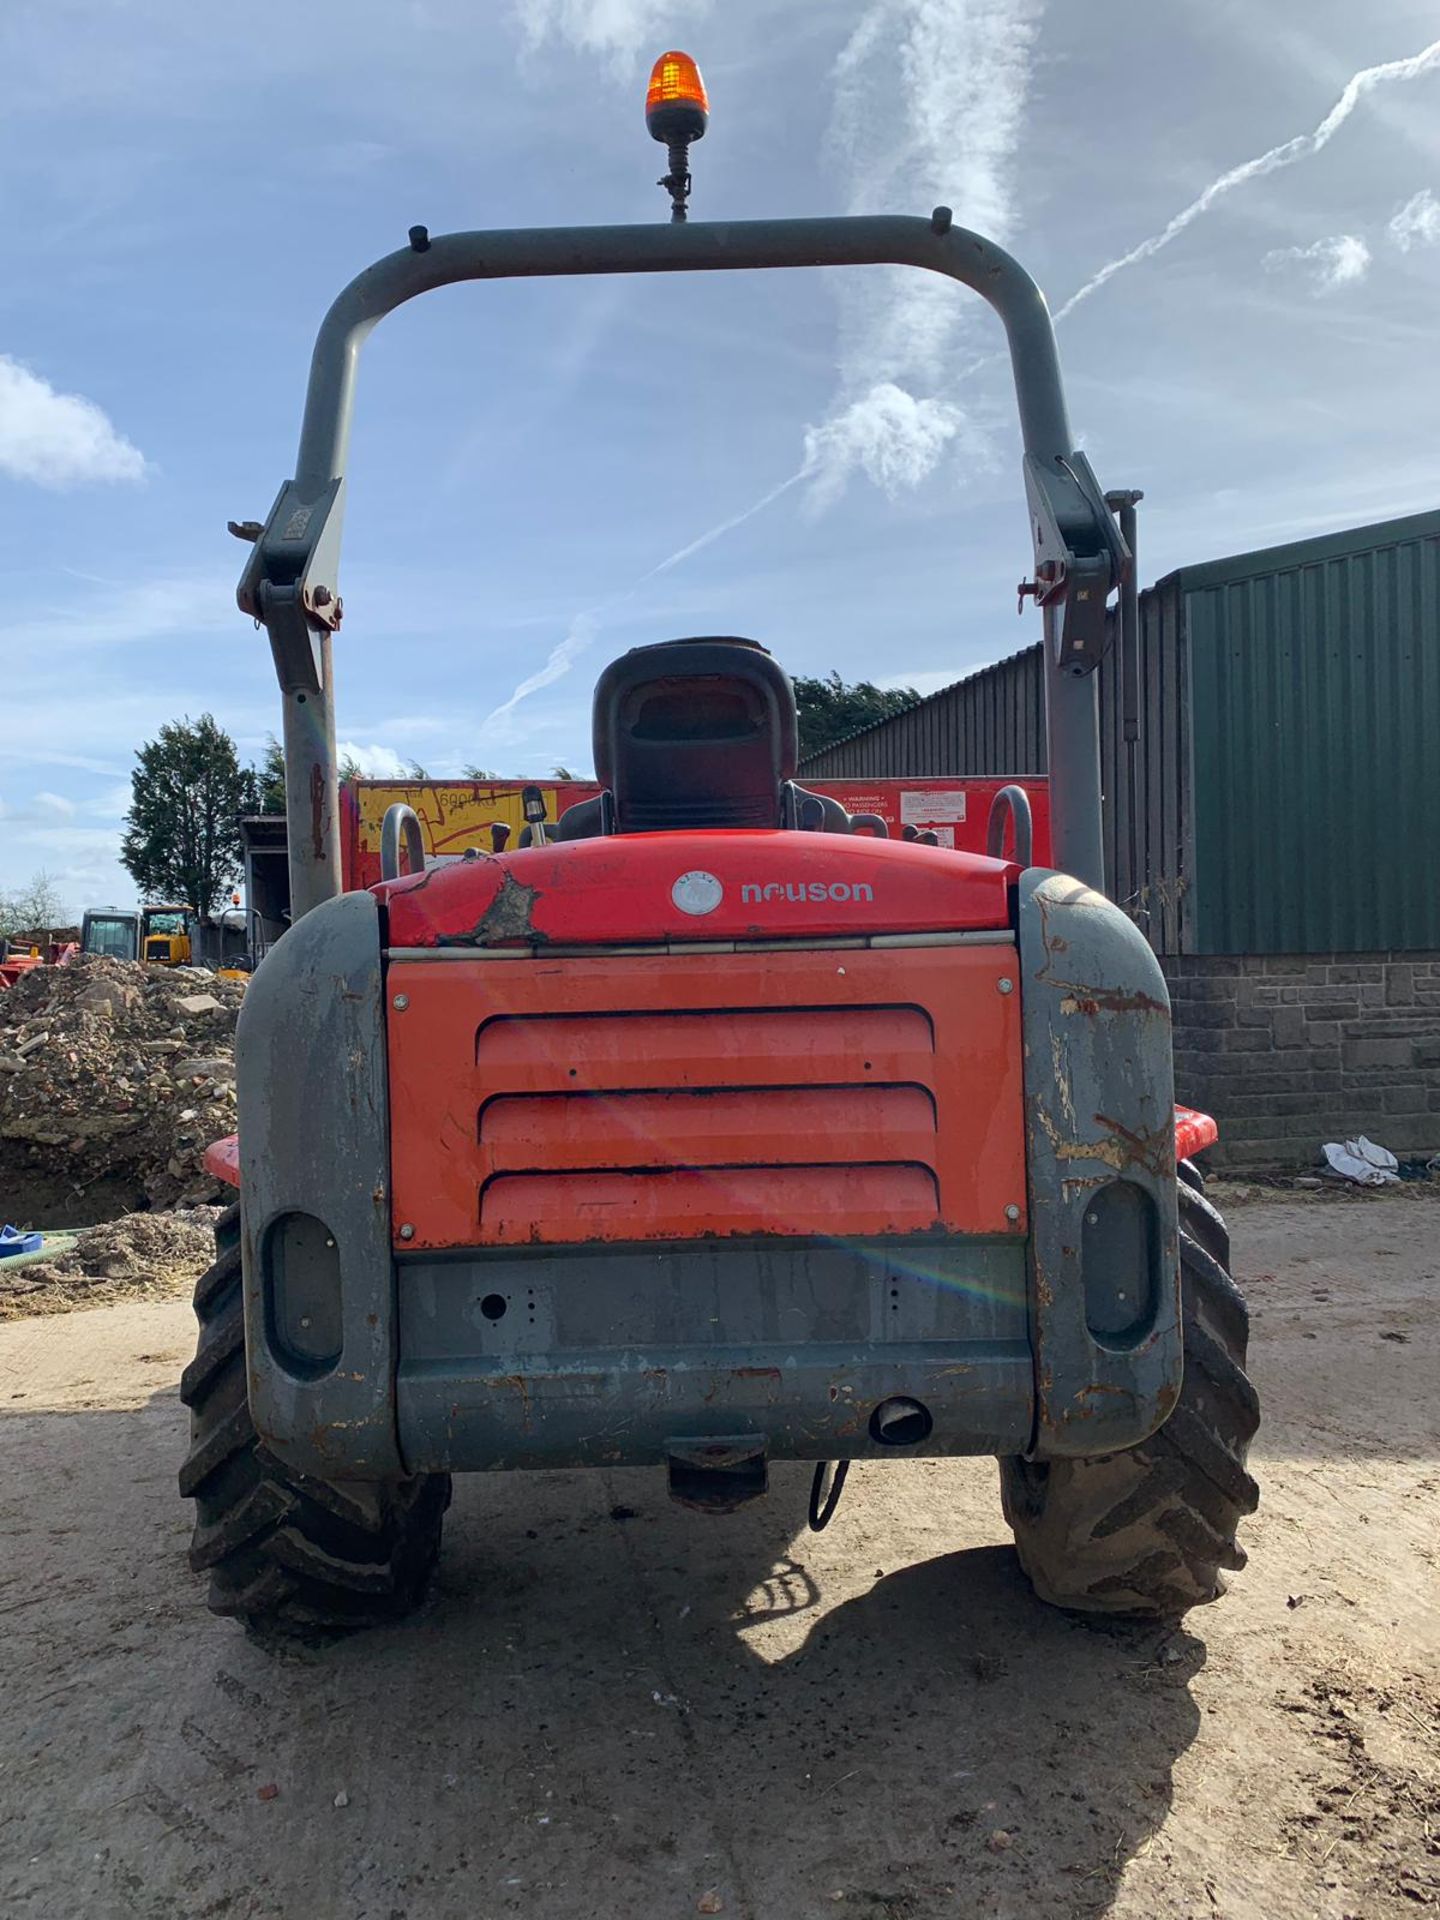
<point>823,1500</point>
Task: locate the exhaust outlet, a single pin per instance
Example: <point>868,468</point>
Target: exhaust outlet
<point>900,1423</point>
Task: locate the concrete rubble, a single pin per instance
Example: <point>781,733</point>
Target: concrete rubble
<point>143,1256</point>
<point>110,1069</point>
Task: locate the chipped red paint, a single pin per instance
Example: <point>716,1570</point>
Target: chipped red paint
<point>222,1159</point>
<point>743,886</point>
<point>1193,1132</point>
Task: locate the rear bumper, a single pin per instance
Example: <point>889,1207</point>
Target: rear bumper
<point>605,1358</point>
<point>365,1365</point>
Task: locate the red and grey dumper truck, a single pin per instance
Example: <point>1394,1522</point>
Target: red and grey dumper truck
<point>715,1127</point>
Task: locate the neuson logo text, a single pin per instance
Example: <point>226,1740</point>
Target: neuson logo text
<point>798,890</point>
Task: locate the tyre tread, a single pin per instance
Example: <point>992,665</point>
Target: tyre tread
<point>1146,1532</point>
<point>285,1552</point>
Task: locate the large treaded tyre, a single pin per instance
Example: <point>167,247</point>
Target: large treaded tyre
<point>1146,1532</point>
<point>286,1553</point>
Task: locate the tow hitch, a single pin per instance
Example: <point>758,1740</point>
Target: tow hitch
<point>717,1475</point>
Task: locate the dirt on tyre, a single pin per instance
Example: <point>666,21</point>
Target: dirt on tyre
<point>286,1553</point>
<point>1149,1532</point>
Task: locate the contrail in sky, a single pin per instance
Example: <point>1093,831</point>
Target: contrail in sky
<point>1285,155</point>
<point>852,438</point>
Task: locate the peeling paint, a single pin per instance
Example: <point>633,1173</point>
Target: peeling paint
<point>509,916</point>
<point>1093,1000</point>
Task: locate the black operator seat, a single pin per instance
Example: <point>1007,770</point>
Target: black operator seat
<point>692,734</point>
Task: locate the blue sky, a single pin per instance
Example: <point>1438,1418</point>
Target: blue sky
<point>185,187</point>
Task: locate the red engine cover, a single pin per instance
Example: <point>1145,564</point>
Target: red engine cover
<point>646,888</point>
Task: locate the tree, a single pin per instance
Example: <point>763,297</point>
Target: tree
<point>34,908</point>
<point>182,833</point>
<point>482,774</point>
<point>270,778</point>
<point>830,708</point>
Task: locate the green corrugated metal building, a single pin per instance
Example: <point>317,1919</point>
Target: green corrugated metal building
<point>1314,703</point>
<point>1275,830</point>
<point>1286,785</point>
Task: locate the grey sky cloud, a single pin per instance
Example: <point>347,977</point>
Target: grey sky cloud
<point>1342,260</point>
<point>58,439</point>
<point>376,762</point>
<point>616,30</point>
<point>1301,147</point>
<point>929,101</point>
<point>1417,224</point>
<point>930,93</point>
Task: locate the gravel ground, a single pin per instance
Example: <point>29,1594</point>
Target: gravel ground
<point>613,1707</point>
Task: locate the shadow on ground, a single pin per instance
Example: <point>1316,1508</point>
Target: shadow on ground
<point>608,1706</point>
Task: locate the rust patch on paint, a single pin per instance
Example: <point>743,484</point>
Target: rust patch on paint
<point>509,917</point>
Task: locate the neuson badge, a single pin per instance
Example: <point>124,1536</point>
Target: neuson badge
<point>697,892</point>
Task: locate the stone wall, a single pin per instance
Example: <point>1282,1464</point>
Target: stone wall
<point>1290,1050</point>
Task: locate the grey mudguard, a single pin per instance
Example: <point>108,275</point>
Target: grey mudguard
<point>313,1100</point>
<point>1099,1109</point>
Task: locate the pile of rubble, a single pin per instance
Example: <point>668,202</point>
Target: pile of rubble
<point>109,1068</point>
<point>144,1256</point>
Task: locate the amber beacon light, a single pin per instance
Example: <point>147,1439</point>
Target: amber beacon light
<point>677,111</point>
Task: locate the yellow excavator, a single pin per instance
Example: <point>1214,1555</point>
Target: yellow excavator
<point>165,935</point>
<point>159,934</point>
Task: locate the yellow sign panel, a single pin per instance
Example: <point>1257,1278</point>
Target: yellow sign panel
<point>452,815</point>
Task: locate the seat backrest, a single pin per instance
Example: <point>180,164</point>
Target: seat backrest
<point>695,733</point>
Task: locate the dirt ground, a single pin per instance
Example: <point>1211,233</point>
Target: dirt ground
<point>612,1707</point>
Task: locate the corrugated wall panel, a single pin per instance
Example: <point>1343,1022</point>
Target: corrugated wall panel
<point>1287,780</point>
<point>1316,696</point>
<point>994,723</point>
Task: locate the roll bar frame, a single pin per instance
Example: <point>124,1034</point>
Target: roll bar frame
<point>291,583</point>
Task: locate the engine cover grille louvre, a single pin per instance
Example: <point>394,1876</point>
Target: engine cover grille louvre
<point>767,1093</point>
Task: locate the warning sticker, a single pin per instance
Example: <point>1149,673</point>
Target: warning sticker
<point>924,809</point>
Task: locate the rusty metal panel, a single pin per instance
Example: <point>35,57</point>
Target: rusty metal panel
<point>1316,682</point>
<point>592,1356</point>
<point>314,1155</point>
<point>1099,1130</point>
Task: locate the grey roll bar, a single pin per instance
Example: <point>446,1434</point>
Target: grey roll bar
<point>291,584</point>
<point>1010,805</point>
<point>400,831</point>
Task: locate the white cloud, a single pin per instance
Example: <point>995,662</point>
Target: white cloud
<point>52,806</point>
<point>615,30</point>
<point>113,804</point>
<point>116,615</point>
<point>58,439</point>
<point>1301,147</point>
<point>1340,261</point>
<point>83,864</point>
<point>375,762</point>
<point>1417,224</point>
<point>929,101</point>
<point>895,440</point>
